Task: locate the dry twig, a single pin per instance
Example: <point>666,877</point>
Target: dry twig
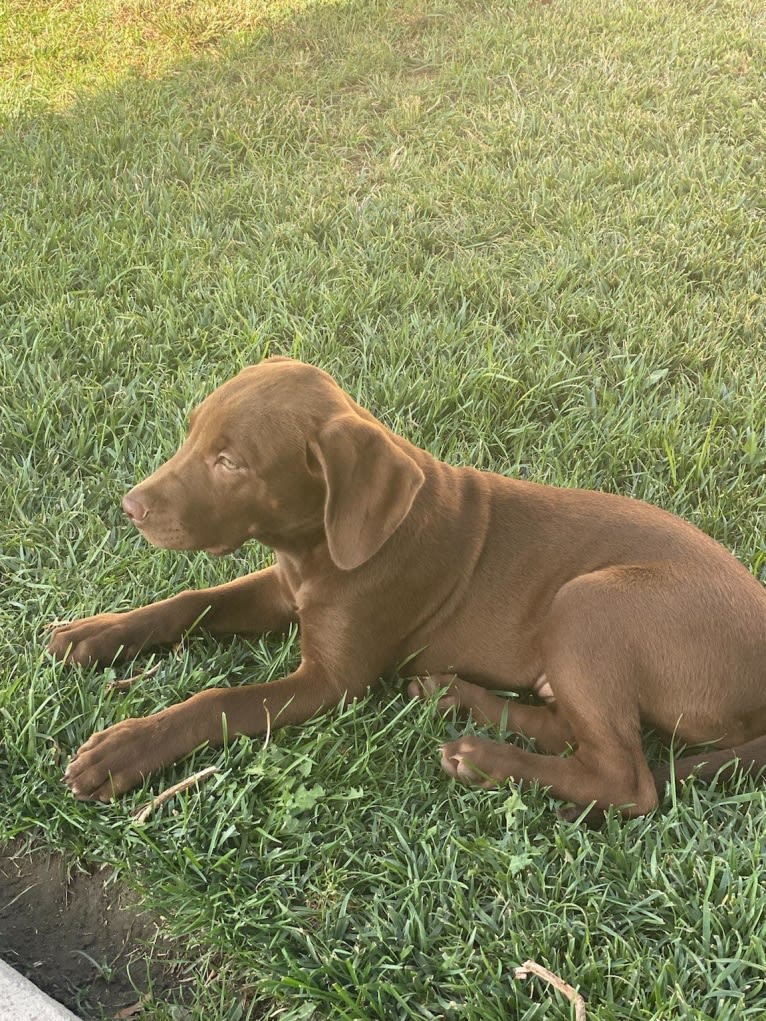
<point>267,736</point>
<point>142,814</point>
<point>533,968</point>
<point>125,683</point>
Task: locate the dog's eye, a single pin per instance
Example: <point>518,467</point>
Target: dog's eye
<point>226,462</point>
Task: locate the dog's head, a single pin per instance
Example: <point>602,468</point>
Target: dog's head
<point>281,454</point>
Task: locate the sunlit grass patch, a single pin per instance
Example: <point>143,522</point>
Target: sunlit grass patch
<point>52,52</point>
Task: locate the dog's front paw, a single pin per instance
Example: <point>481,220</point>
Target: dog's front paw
<point>477,761</point>
<point>115,760</point>
<point>101,639</point>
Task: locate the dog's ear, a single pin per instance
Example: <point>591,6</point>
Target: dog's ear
<point>371,484</point>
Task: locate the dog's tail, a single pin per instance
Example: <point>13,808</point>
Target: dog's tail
<point>749,758</point>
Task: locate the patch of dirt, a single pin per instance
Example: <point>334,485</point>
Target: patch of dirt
<point>79,937</point>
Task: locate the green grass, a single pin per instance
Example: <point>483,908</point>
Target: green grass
<point>51,53</point>
<point>528,236</point>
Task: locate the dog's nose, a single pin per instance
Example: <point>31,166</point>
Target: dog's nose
<point>135,510</point>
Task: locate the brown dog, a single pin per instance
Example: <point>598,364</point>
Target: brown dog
<point>613,612</point>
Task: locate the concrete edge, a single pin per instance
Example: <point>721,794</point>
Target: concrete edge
<point>21,1000</point>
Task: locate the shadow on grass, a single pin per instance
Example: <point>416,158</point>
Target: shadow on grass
<point>178,212</point>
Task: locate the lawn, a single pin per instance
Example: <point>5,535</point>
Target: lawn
<point>529,236</point>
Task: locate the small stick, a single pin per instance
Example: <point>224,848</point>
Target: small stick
<point>56,623</point>
<point>142,814</point>
<point>126,683</point>
<point>533,968</point>
<point>267,736</point>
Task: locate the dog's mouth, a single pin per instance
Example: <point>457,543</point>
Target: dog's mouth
<point>169,534</point>
<point>177,539</point>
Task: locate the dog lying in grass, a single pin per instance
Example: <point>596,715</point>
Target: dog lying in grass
<point>613,612</point>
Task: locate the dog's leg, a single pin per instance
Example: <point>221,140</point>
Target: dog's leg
<point>608,767</point>
<point>596,682</point>
<point>604,775</point>
<point>748,758</point>
<point>250,605</point>
<point>546,724</point>
<point>122,756</point>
